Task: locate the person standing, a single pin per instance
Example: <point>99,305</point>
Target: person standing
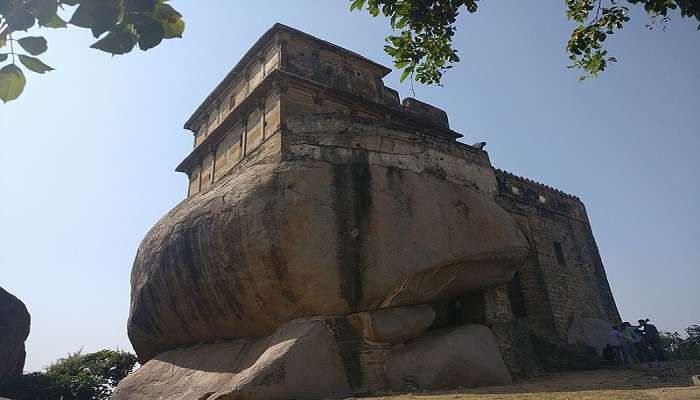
<point>651,334</point>
<point>615,340</point>
<point>630,343</point>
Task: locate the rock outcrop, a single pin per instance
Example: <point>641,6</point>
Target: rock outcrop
<point>296,239</point>
<point>14,330</point>
<point>466,356</point>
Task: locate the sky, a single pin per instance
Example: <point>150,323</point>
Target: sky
<point>88,151</point>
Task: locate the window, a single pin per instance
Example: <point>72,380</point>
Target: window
<point>542,199</point>
<point>232,101</point>
<point>514,189</point>
<point>560,253</point>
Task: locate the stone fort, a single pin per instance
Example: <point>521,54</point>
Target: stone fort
<point>336,240</point>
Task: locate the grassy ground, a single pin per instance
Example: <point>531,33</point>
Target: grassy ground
<point>589,385</point>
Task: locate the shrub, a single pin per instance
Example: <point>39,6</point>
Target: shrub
<point>678,348</point>
<point>78,376</point>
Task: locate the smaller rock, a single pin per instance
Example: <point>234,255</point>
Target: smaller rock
<point>14,330</point>
<point>393,325</point>
<point>466,356</point>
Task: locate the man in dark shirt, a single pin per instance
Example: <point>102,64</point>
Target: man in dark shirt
<point>651,334</point>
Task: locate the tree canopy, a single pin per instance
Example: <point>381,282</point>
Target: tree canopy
<point>423,46</point>
<point>678,347</point>
<point>119,26</point>
<point>78,376</point>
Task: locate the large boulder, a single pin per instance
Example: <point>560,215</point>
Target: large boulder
<point>590,331</point>
<point>300,360</point>
<point>14,330</point>
<point>275,242</point>
<point>466,356</point>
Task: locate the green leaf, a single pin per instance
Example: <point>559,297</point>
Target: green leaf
<point>44,11</point>
<point>12,82</point>
<point>81,16</point>
<point>34,64</point>
<point>3,57</point>
<point>21,21</point>
<point>171,20</point>
<point>120,42</point>
<point>56,22</point>
<point>406,72</point>
<point>34,45</point>
<point>140,5</point>
<point>150,35</point>
<point>103,19</point>
<point>174,29</point>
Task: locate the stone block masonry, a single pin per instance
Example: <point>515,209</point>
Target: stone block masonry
<point>563,279</point>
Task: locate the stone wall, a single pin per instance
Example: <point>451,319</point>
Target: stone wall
<point>251,103</point>
<point>249,75</point>
<point>234,141</point>
<point>564,279</point>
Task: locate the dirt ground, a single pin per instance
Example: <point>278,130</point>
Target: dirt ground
<point>589,385</point>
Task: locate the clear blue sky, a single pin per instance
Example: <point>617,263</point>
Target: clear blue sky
<point>88,152</point>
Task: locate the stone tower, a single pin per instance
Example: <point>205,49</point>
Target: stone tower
<point>334,241</point>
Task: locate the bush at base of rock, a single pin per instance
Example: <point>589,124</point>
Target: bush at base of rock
<point>79,376</point>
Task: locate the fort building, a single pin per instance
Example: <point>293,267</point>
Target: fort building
<point>289,78</point>
<point>338,241</point>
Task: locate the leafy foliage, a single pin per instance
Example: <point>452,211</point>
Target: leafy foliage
<point>78,376</point>
<point>119,25</point>
<point>423,47</point>
<point>677,347</point>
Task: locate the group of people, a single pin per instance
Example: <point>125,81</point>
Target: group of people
<point>631,344</point>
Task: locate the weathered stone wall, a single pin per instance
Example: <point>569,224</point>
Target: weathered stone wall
<point>247,106</point>
<point>564,279</point>
<point>234,141</point>
<point>249,75</point>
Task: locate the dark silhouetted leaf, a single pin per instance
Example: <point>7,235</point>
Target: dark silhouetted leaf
<point>120,42</point>
<point>139,5</point>
<point>34,45</point>
<point>103,19</point>
<point>34,64</point>
<point>150,35</point>
<point>45,11</point>
<point>81,16</point>
<point>21,21</point>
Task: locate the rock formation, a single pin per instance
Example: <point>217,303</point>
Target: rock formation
<point>335,241</point>
<point>282,241</point>
<point>14,325</point>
